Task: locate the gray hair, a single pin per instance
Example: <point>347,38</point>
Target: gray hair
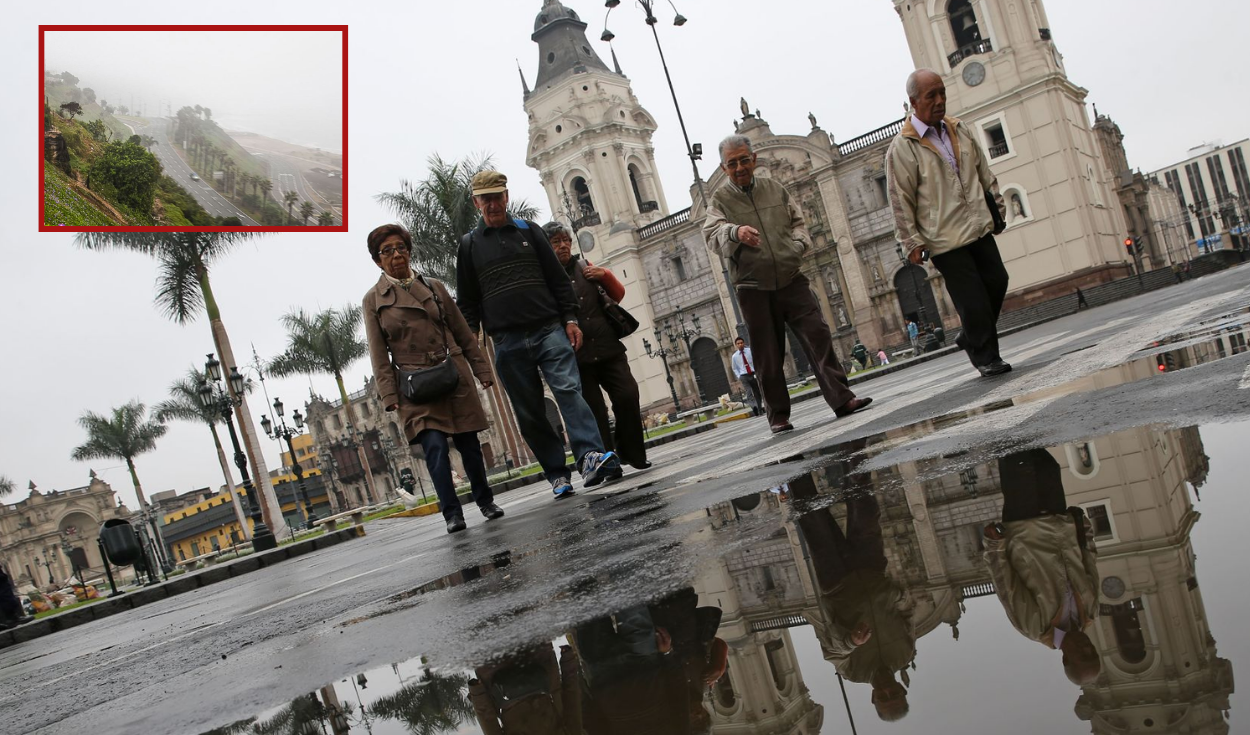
<point>913,82</point>
<point>734,141</point>
<point>554,228</point>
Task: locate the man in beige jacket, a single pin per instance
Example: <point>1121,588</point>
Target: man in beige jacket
<point>754,225</point>
<point>941,190</point>
<point>1043,562</point>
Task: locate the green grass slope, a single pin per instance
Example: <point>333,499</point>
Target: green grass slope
<point>65,206</point>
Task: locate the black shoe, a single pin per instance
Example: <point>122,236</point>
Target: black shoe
<point>851,406</point>
<point>643,465</point>
<point>491,511</point>
<point>782,428</point>
<point>998,367</point>
<point>7,623</point>
<point>455,524</point>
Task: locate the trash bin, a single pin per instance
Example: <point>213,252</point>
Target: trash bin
<point>120,543</point>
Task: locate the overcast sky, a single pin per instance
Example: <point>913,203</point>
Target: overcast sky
<point>286,85</point>
<point>79,330</point>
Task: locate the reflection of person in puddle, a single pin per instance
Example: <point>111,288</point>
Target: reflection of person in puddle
<point>645,668</point>
<point>865,628</point>
<point>529,692</point>
<point>1042,561</point>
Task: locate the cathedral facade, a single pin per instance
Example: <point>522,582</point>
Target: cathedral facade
<point>590,141</point>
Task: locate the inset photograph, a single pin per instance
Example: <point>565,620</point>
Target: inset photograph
<point>176,128</point>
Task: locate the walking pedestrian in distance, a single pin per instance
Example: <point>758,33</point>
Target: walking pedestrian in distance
<point>412,324</point>
<point>947,206</point>
<point>913,334</point>
<point>758,229</point>
<point>882,358</point>
<point>601,361</point>
<point>509,281</point>
<point>744,368</point>
<point>860,353</point>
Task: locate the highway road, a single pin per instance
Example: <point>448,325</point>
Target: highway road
<point>287,176</point>
<point>209,198</point>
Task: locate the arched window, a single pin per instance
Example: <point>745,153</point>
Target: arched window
<point>963,23</point>
<point>634,176</point>
<point>725,691</point>
<point>1019,210</point>
<point>582,193</point>
<point>1129,638</point>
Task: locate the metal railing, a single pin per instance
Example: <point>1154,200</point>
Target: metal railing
<point>980,589</point>
<point>880,134</point>
<point>970,49</point>
<point>668,223</point>
<point>999,150</point>
<point>785,621</point>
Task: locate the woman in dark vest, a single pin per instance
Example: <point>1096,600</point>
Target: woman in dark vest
<point>601,360</point>
<point>412,322</point>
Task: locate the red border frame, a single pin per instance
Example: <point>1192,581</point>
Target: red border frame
<point>346,177</point>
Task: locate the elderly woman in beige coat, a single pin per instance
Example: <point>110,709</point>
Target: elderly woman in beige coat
<point>412,322</point>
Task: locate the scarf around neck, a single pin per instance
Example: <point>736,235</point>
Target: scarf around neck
<point>403,283</point>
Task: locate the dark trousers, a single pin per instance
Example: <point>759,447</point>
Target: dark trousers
<point>753,386</point>
<point>614,377</point>
<point>10,606</point>
<point>977,282</point>
<point>438,462</point>
<point>835,554</point>
<point>767,313</point>
<point>1032,485</point>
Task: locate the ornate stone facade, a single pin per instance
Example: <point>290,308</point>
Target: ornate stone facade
<point>33,532</point>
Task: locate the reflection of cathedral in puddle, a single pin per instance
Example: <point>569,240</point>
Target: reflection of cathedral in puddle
<point>1160,671</point>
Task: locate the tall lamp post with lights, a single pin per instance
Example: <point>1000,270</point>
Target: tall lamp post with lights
<point>684,333</point>
<point>282,432</point>
<point>663,352</point>
<point>214,397</point>
<point>693,151</point>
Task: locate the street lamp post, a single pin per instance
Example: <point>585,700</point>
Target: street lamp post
<point>327,464</point>
<point>47,564</point>
<point>694,152</point>
<point>282,432</point>
<point>663,352</point>
<point>66,548</point>
<point>213,396</point>
<point>915,283</point>
<point>685,333</point>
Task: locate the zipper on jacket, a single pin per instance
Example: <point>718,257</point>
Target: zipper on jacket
<point>763,231</point>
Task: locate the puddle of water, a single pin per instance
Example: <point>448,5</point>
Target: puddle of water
<point>860,596</point>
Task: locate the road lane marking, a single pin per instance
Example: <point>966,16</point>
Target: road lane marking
<point>1245,379</point>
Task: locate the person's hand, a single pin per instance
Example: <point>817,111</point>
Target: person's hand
<point>991,532</point>
<point>916,256</point>
<point>486,383</point>
<point>594,272</point>
<point>748,235</point>
<point>575,335</point>
<point>712,673</point>
<point>861,634</point>
<point>392,407</point>
<point>663,641</point>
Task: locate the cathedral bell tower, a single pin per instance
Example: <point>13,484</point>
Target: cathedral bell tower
<point>590,140</point>
<point>1005,79</point>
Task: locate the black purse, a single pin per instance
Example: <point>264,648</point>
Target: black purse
<point>430,384</point>
<point>622,322</point>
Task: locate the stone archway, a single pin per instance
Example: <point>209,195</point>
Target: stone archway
<point>81,529</point>
<point>915,296</point>
<point>709,370</point>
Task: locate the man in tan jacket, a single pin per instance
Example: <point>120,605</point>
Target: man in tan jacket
<point>754,225</point>
<point>1043,562</point>
<point>941,190</point>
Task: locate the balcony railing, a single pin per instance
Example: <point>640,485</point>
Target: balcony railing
<point>867,139</point>
<point>999,150</point>
<point>971,49</point>
<point>978,589</point>
<point>650,206</point>
<point>668,223</point>
<point>590,219</point>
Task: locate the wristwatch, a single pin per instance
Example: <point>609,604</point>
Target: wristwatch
<point>574,322</point>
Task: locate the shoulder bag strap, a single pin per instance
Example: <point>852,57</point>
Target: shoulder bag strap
<point>442,313</point>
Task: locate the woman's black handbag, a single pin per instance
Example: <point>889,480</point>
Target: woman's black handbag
<point>430,384</point>
<point>622,322</point>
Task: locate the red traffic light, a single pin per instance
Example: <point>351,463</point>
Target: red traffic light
<point>1163,368</point>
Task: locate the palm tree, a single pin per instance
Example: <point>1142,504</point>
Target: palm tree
<point>6,486</point>
<point>183,404</point>
<point>326,342</point>
<point>290,198</point>
<point>326,218</point>
<point>125,435</point>
<point>440,209</point>
<point>433,705</point>
<point>148,141</point>
<point>183,289</point>
<point>266,186</point>
<point>305,211</point>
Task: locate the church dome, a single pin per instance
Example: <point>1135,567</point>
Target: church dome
<point>552,11</point>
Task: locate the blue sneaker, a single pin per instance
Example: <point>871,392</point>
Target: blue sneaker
<point>599,466</point>
<point>562,488</point>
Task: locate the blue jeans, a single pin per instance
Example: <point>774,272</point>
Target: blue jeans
<point>520,357</point>
<point>438,462</point>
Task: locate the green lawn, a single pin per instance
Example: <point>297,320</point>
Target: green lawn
<point>63,608</point>
<point>665,429</point>
<point>63,206</point>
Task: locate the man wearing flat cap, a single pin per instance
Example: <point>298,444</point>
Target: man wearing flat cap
<point>509,281</point>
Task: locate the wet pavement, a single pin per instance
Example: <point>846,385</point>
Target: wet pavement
<point>824,581</point>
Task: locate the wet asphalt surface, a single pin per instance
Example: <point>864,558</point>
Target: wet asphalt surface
<point>773,551</point>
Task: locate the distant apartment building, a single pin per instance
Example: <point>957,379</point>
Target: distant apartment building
<point>1212,189</point>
